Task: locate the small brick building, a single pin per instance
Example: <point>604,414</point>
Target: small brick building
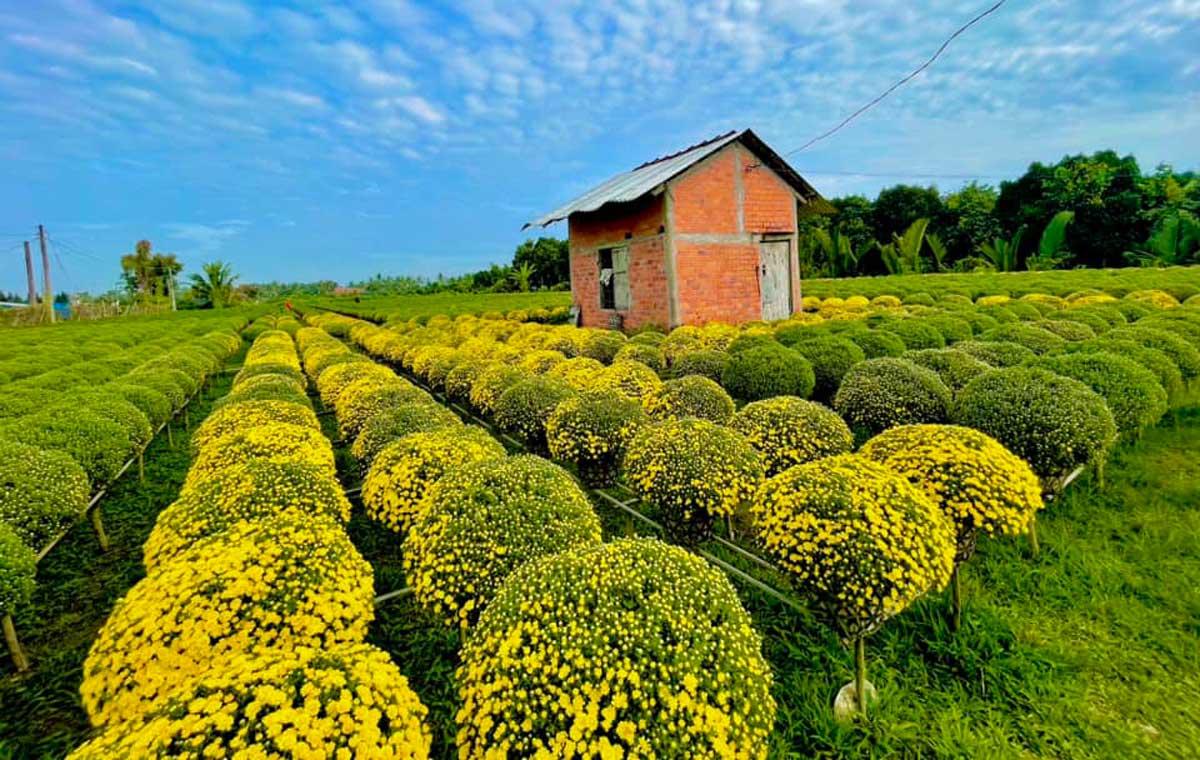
<point>706,234</point>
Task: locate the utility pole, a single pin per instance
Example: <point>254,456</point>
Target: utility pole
<point>171,277</point>
<point>29,276</point>
<point>49,296</point>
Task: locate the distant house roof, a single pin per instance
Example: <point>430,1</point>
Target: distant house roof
<point>643,179</point>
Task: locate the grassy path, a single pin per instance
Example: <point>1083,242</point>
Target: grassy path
<point>77,586</point>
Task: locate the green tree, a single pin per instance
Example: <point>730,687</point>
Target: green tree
<point>1052,251</point>
<point>1175,241</point>
<point>137,267</point>
<point>549,259</point>
<point>903,254</point>
<point>969,221</point>
<point>213,289</point>
<point>521,276</point>
<point>897,207</point>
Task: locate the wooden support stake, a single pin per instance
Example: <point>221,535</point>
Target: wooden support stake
<point>860,674</point>
<point>1034,546</point>
<point>170,438</point>
<point>955,599</point>
<point>98,525</point>
<point>141,466</point>
<point>14,645</point>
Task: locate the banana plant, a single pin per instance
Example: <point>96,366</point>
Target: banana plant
<point>837,249</point>
<point>938,249</point>
<point>1175,242</point>
<point>903,254</point>
<point>1001,253</point>
<point>1051,251</point>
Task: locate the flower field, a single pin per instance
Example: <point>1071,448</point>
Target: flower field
<point>485,533</point>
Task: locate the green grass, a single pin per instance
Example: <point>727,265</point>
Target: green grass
<point>40,711</point>
<point>380,308</point>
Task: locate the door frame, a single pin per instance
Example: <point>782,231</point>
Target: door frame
<point>781,237</point>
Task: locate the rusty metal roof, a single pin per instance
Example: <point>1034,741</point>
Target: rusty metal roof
<point>643,179</point>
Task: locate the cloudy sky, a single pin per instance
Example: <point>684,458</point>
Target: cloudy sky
<point>305,140</point>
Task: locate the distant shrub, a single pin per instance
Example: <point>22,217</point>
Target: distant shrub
<point>955,368</point>
<point>1069,330</point>
<point>1185,355</point>
<point>41,492</point>
<point>1133,394</point>
<point>996,353</point>
<point>541,362</point>
<point>787,431</point>
<point>648,337</point>
<point>1053,422</point>
<point>952,328</point>
<point>705,362</point>
<point>1097,324</point>
<point>493,381</point>
<point>484,520</point>
<point>1165,370</point>
<point>98,444</point>
<point>747,341</point>
<point>767,371</point>
<point>592,429</point>
<point>397,422</point>
<point>919,299</point>
<point>1034,338</point>
<point>634,379</point>
<point>1155,299</point>
<point>603,345</point>
<point>249,414</point>
<point>979,321</point>
<point>689,396</point>
<point>831,357</point>
<point>916,333</point>
<point>523,409</point>
<point>881,393</point>
<point>876,344</point>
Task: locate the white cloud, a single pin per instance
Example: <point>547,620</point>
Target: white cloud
<point>420,108</point>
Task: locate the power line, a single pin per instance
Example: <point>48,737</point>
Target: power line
<point>901,82</point>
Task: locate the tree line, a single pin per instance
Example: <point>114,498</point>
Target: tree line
<point>1084,211</point>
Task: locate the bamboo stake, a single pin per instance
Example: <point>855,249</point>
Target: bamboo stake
<point>14,645</point>
<point>860,674</point>
<point>98,524</point>
<point>141,467</point>
<point>1034,547</point>
<point>955,599</point>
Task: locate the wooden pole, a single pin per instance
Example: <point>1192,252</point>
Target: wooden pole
<point>98,524</point>
<point>49,289</point>
<point>860,674</point>
<point>1034,546</point>
<point>956,599</point>
<point>33,299</point>
<point>14,645</point>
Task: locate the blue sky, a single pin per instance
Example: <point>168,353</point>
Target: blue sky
<point>310,140</point>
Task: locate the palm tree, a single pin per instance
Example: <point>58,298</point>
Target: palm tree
<point>522,275</point>
<point>903,254</point>
<point>1001,253</point>
<point>837,249</point>
<point>1175,242</point>
<point>137,265</point>
<point>1050,248</point>
<point>215,288</point>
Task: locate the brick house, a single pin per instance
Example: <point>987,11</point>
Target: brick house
<point>706,234</point>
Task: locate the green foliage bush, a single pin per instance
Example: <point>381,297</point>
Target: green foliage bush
<point>831,357</point>
<point>1034,338</point>
<point>953,328</point>
<point>996,353</point>
<point>98,444</point>
<point>767,371</point>
<point>41,492</point>
<point>111,406</point>
<point>650,355</point>
<point>1069,330</point>
<point>881,393</point>
<point>876,344</point>
<point>523,409</point>
<point>1185,355</point>
<point>1164,369</point>
<point>745,342</point>
<point>1133,394</point>
<point>955,368</point>
<point>1053,422</point>
<point>397,422</point>
<point>153,404</point>
<point>916,333</point>
<point>705,362</point>
<point>603,345</point>
<point>18,564</point>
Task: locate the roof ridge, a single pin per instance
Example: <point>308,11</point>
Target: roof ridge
<point>678,153</point>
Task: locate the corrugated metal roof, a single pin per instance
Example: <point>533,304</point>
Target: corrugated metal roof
<point>634,184</point>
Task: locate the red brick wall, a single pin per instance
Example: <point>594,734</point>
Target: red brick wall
<point>769,204</point>
<point>705,197</point>
<point>718,283</point>
<point>648,296</point>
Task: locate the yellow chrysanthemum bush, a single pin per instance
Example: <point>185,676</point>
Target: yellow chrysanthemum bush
<point>244,415</point>
<point>346,701</point>
<point>42,493</point>
<point>396,484</point>
<point>491,382</point>
<point>365,398</point>
<point>579,372</point>
<point>337,378</point>
<point>692,471</point>
<point>881,393</point>
<point>541,361</point>
<point>522,410</point>
<point>460,379</point>
<point>246,492</point>
<point>857,539</point>
<point>982,487</point>
<point>633,648</point>
<point>397,422</point>
<point>293,581</point>
<point>634,379</point>
<point>484,520</point>
<point>689,396</point>
<point>788,430</point>
<point>592,430</point>
<point>273,441</point>
<point>265,387</point>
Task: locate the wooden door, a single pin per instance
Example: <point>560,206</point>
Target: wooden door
<point>775,278</point>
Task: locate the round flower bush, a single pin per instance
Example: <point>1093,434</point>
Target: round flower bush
<point>254,490</point>
<point>162,381</point>
<point>1053,422</point>
<point>916,333</point>
<point>18,565</point>
<point>997,354</point>
<point>831,357</point>
<point>665,662</point>
<point>634,379</point>
<point>1067,329</point>
<point>153,404</point>
<point>746,341</point>
<point>704,362</point>
<point>652,337</point>
<point>1133,394</point>
<point>1165,370</point>
<point>541,362</point>
<point>482,521</point>
<point>113,407</point>
<point>650,355</point>
<point>876,343</point>
<point>1097,324</point>
<point>265,388</point>
<point>603,345</point>
<point>251,414</point>
<point>403,471</point>
<point>41,492</point>
<point>363,399</point>
<point>493,381</point>
<point>955,368</point>
<point>579,372</point>
<point>952,328</point>
<point>522,410</point>
<point>460,379</point>
<point>857,539</point>
<point>689,396</point>
<point>767,371</point>
<point>98,444</point>
<point>273,441</point>
<point>397,422</point>
<point>1157,299</point>
<point>593,429</point>
<point>981,486</point>
<point>279,369</point>
<point>1034,338</point>
<point>882,393</point>
<point>788,431</point>
<point>692,471</point>
<point>337,378</point>
<point>1184,354</point>
<point>346,701</point>
<point>293,581</point>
